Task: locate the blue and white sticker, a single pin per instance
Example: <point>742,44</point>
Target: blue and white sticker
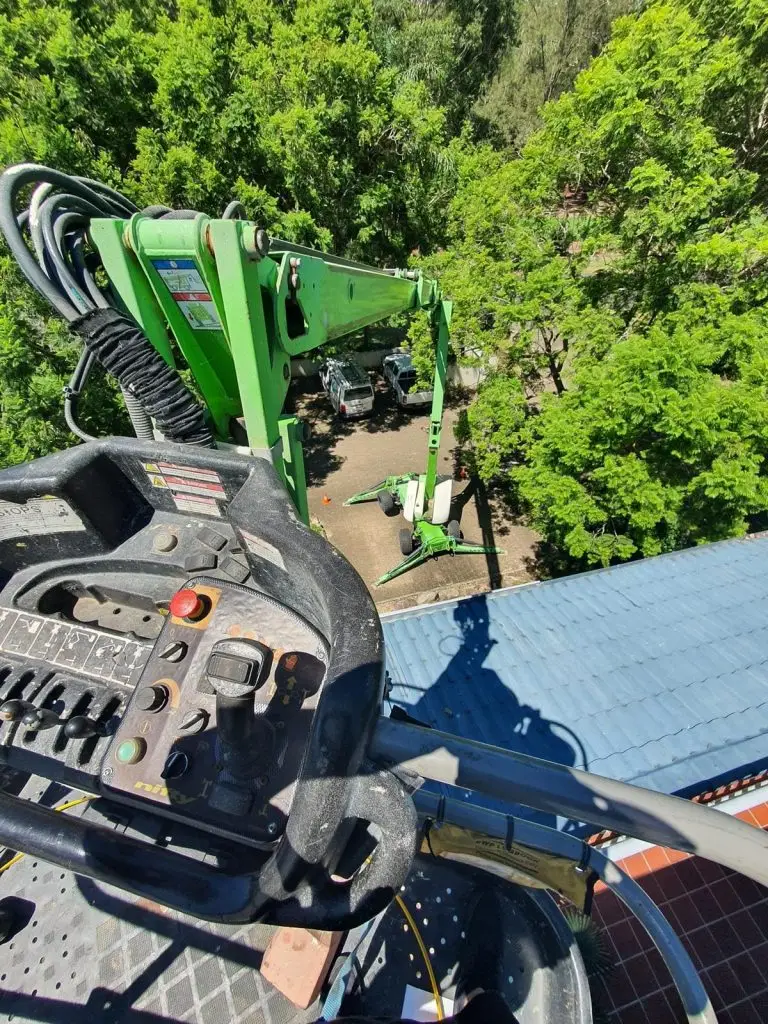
<point>185,283</point>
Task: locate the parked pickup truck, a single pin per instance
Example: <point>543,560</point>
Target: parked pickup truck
<point>398,370</point>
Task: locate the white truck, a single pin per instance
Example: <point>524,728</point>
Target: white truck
<point>348,386</point>
<point>398,370</point>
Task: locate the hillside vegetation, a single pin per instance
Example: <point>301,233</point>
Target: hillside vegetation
<point>588,181</point>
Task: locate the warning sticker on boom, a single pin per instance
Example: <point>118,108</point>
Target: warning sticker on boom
<point>187,288</point>
<point>38,516</point>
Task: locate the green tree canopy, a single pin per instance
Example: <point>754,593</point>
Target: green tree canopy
<point>628,238</point>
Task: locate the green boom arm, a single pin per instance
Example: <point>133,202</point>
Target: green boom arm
<point>238,307</point>
<point>443,313</point>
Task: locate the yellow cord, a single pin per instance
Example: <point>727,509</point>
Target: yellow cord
<point>62,807</point>
<point>427,962</point>
<point>11,862</point>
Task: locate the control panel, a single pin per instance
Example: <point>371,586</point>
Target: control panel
<point>215,731</point>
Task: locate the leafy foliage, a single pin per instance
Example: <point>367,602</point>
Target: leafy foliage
<point>556,39</point>
<point>628,241</point>
<point>288,107</point>
<point>453,46</point>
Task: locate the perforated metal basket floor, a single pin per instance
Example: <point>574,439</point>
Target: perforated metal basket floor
<point>82,951</point>
<point>86,952</point>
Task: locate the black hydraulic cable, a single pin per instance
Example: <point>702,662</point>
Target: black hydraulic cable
<point>59,211</point>
<point>234,211</point>
<point>155,211</point>
<point>122,205</point>
<point>11,182</point>
<point>39,195</point>
<point>75,242</point>
<point>124,351</point>
<point>72,393</point>
<point>140,421</point>
<point>179,215</point>
<point>48,211</point>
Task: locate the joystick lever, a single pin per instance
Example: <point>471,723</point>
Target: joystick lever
<point>78,727</point>
<point>236,669</point>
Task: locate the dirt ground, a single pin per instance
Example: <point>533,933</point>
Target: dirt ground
<point>346,456</point>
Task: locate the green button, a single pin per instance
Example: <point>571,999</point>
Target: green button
<point>131,751</point>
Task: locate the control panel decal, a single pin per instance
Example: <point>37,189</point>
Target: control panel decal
<point>90,651</point>
<point>193,490</point>
<point>259,547</point>
<point>185,283</point>
<point>38,516</point>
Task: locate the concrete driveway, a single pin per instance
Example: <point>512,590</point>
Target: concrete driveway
<point>346,456</point>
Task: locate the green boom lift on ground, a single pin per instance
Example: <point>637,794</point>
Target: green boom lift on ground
<point>425,498</point>
<point>239,305</point>
<point>234,304</point>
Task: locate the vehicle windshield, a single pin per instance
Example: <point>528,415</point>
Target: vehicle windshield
<point>356,394</point>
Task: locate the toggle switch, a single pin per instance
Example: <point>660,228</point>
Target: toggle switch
<point>174,652</point>
<point>237,666</point>
<point>194,721</point>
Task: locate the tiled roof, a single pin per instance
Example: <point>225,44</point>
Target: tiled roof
<point>655,672</point>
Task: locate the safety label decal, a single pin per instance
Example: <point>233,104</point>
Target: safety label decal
<point>109,658</point>
<point>38,516</point>
<point>185,283</point>
<point>192,489</point>
<point>262,549</point>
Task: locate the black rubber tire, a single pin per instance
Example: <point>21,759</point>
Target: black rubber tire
<point>386,500</point>
<point>406,542</point>
<point>454,529</point>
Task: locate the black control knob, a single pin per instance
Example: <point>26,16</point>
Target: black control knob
<point>151,698</point>
<point>174,652</point>
<point>13,710</point>
<point>194,721</point>
<point>79,727</point>
<point>176,765</point>
<point>40,719</point>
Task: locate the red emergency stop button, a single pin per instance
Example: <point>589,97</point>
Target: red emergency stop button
<point>187,604</point>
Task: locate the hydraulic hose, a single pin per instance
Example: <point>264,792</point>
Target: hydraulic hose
<point>124,351</point>
<point>60,209</point>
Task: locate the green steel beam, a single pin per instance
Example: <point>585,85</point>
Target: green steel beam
<point>238,315</point>
<point>173,255</point>
<point>130,284</point>
<point>443,313</point>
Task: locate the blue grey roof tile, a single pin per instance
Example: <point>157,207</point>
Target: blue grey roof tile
<point>654,672</point>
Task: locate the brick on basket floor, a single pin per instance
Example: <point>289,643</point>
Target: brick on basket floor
<point>721,918</point>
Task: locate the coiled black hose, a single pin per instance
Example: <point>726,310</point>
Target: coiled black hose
<point>57,221</point>
<point>123,350</point>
